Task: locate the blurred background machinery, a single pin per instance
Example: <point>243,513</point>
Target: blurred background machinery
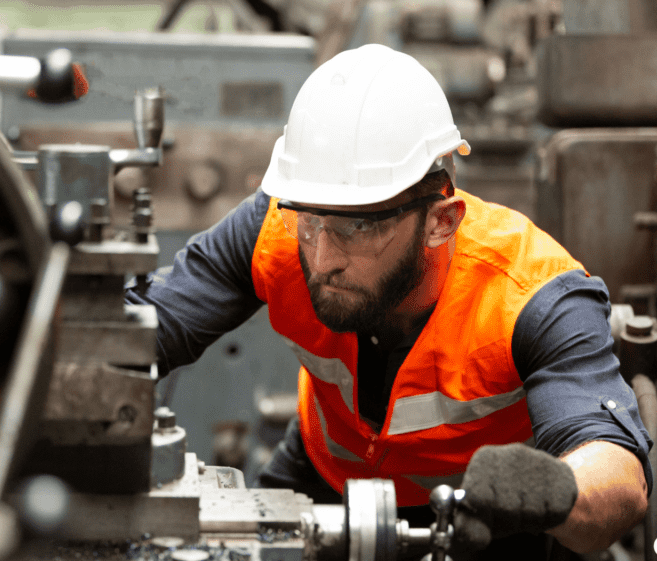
<point>556,97</point>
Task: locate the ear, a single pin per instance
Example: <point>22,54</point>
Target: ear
<point>443,219</point>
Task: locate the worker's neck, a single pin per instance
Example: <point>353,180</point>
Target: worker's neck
<point>407,317</point>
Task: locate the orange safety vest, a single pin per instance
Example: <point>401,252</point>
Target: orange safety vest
<point>458,388</point>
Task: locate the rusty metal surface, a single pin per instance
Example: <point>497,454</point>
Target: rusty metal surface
<point>591,80</point>
<point>114,257</point>
<point>100,392</point>
<point>206,171</point>
<point>590,184</point>
<point>128,342</point>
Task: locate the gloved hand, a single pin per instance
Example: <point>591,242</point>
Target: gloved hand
<point>511,489</point>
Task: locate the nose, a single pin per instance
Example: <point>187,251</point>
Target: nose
<point>328,256</point>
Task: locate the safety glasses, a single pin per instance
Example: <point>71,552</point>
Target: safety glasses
<point>351,231</point>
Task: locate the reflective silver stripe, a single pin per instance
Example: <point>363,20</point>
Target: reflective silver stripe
<point>330,370</point>
<point>431,410</point>
<point>430,482</point>
<point>336,450</point>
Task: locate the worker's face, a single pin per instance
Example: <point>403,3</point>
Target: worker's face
<point>351,292</point>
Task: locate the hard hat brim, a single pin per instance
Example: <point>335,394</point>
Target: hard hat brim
<point>276,185</point>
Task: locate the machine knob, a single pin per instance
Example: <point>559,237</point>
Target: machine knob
<point>165,418</point>
<point>57,79</point>
<point>67,223</point>
<point>442,500</point>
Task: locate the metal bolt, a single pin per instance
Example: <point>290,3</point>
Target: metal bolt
<point>128,414</point>
<point>165,418</point>
<point>142,213</point>
<point>442,500</point>
<point>142,220</point>
<point>639,326</point>
<point>98,220</point>
<point>141,198</point>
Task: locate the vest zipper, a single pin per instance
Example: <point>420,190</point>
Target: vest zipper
<point>370,449</point>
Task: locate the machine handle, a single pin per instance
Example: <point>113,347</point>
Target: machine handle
<point>53,79</point>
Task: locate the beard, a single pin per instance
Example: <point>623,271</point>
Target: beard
<point>360,309</point>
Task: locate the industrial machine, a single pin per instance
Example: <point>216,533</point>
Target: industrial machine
<point>133,475</point>
<point>86,455</point>
<point>96,461</point>
<point>226,98</point>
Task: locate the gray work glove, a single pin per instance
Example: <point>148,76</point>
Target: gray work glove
<point>508,490</point>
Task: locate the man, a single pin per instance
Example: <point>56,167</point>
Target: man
<point>429,324</point>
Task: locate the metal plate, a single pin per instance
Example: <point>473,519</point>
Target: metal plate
<point>590,184</point>
<point>249,510</point>
<point>190,68</point>
<point>252,100</point>
<point>590,80</point>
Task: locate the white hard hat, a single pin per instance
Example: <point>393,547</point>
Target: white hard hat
<point>365,126</point>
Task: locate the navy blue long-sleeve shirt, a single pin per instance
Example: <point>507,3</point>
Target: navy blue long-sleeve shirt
<point>561,343</point>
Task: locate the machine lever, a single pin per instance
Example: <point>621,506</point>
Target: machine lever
<point>443,501</point>
<point>55,78</point>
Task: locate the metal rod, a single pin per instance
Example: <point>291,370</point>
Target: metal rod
<point>646,395</point>
<point>19,72</point>
<point>29,374</point>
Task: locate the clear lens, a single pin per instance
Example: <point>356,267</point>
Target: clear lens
<point>352,235</point>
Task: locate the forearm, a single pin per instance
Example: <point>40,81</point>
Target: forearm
<point>612,496</point>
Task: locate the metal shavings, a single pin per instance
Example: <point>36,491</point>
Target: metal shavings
<point>190,555</point>
<point>270,535</point>
<point>154,549</point>
<point>167,549</point>
<point>239,555</point>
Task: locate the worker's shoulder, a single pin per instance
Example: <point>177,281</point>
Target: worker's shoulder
<point>509,242</point>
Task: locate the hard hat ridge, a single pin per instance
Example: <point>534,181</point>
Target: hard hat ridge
<point>366,125</point>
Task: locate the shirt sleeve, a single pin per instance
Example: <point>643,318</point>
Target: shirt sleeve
<point>562,348</point>
<point>209,289</point>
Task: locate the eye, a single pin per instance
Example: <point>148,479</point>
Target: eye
<point>363,226</point>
